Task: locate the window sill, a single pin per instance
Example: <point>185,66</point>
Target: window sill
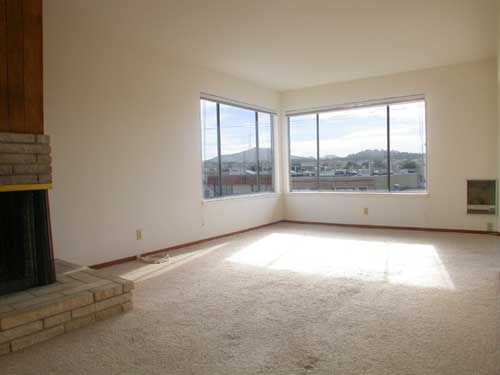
<point>424,194</point>
<point>242,196</point>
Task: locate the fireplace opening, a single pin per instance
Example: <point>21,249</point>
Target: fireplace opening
<point>26,258</point>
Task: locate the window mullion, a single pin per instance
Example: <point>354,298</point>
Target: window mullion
<point>257,148</point>
<point>317,149</point>
<point>290,188</point>
<point>219,149</point>
<point>273,172</point>
<point>388,148</point>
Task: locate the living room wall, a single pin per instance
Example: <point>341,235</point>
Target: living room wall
<point>126,140</point>
<point>461,143</point>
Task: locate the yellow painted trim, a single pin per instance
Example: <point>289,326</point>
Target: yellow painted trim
<point>5,188</point>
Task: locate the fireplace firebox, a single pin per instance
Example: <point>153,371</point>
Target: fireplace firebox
<point>26,257</point>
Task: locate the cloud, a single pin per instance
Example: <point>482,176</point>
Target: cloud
<point>341,132</point>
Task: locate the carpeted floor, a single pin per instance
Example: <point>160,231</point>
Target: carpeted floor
<point>298,299</point>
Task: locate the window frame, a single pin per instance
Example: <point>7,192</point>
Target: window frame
<point>256,111</point>
<point>375,103</point>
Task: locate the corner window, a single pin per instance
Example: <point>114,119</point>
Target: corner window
<point>380,148</point>
<point>237,147</point>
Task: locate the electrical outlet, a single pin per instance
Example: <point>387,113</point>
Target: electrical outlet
<point>138,234</point>
<point>490,227</point>
<point>365,210</point>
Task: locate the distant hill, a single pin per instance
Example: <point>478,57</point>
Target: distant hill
<point>381,154</point>
<point>265,154</point>
<point>366,155</point>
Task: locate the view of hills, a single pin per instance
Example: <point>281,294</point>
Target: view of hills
<point>265,154</point>
<point>365,155</point>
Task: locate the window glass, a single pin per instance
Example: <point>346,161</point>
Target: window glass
<point>265,152</point>
<point>303,152</point>
<point>209,149</point>
<point>238,150</point>
<point>353,150</point>
<point>234,160</point>
<point>408,154</point>
<point>352,145</point>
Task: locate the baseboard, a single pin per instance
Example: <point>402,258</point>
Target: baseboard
<point>113,263</point>
<point>365,226</point>
<point>187,244</point>
<point>368,226</point>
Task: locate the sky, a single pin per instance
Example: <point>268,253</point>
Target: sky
<point>341,132</point>
<point>351,131</point>
<point>237,129</point>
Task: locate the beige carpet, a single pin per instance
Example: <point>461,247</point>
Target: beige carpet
<point>298,299</point>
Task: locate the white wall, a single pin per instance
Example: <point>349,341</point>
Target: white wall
<point>498,97</point>
<point>461,143</point>
<point>125,134</point>
<point>126,143</point>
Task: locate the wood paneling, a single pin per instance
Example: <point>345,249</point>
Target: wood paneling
<point>21,66</point>
<point>15,70</point>
<point>33,67</point>
<point>4,114</point>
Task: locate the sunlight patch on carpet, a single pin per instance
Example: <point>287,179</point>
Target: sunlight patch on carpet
<point>409,264</point>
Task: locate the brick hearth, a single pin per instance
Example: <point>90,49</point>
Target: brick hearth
<point>80,297</point>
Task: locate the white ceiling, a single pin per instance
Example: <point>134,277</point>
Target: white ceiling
<point>289,44</point>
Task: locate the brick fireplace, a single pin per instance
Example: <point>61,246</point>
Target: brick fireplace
<point>40,297</point>
<point>80,296</point>
<point>26,258</point>
<point>24,159</point>
<point>37,301</point>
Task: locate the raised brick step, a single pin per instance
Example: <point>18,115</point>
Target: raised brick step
<point>80,297</point>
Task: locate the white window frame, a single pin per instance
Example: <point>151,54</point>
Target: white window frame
<point>346,106</point>
<point>256,109</point>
